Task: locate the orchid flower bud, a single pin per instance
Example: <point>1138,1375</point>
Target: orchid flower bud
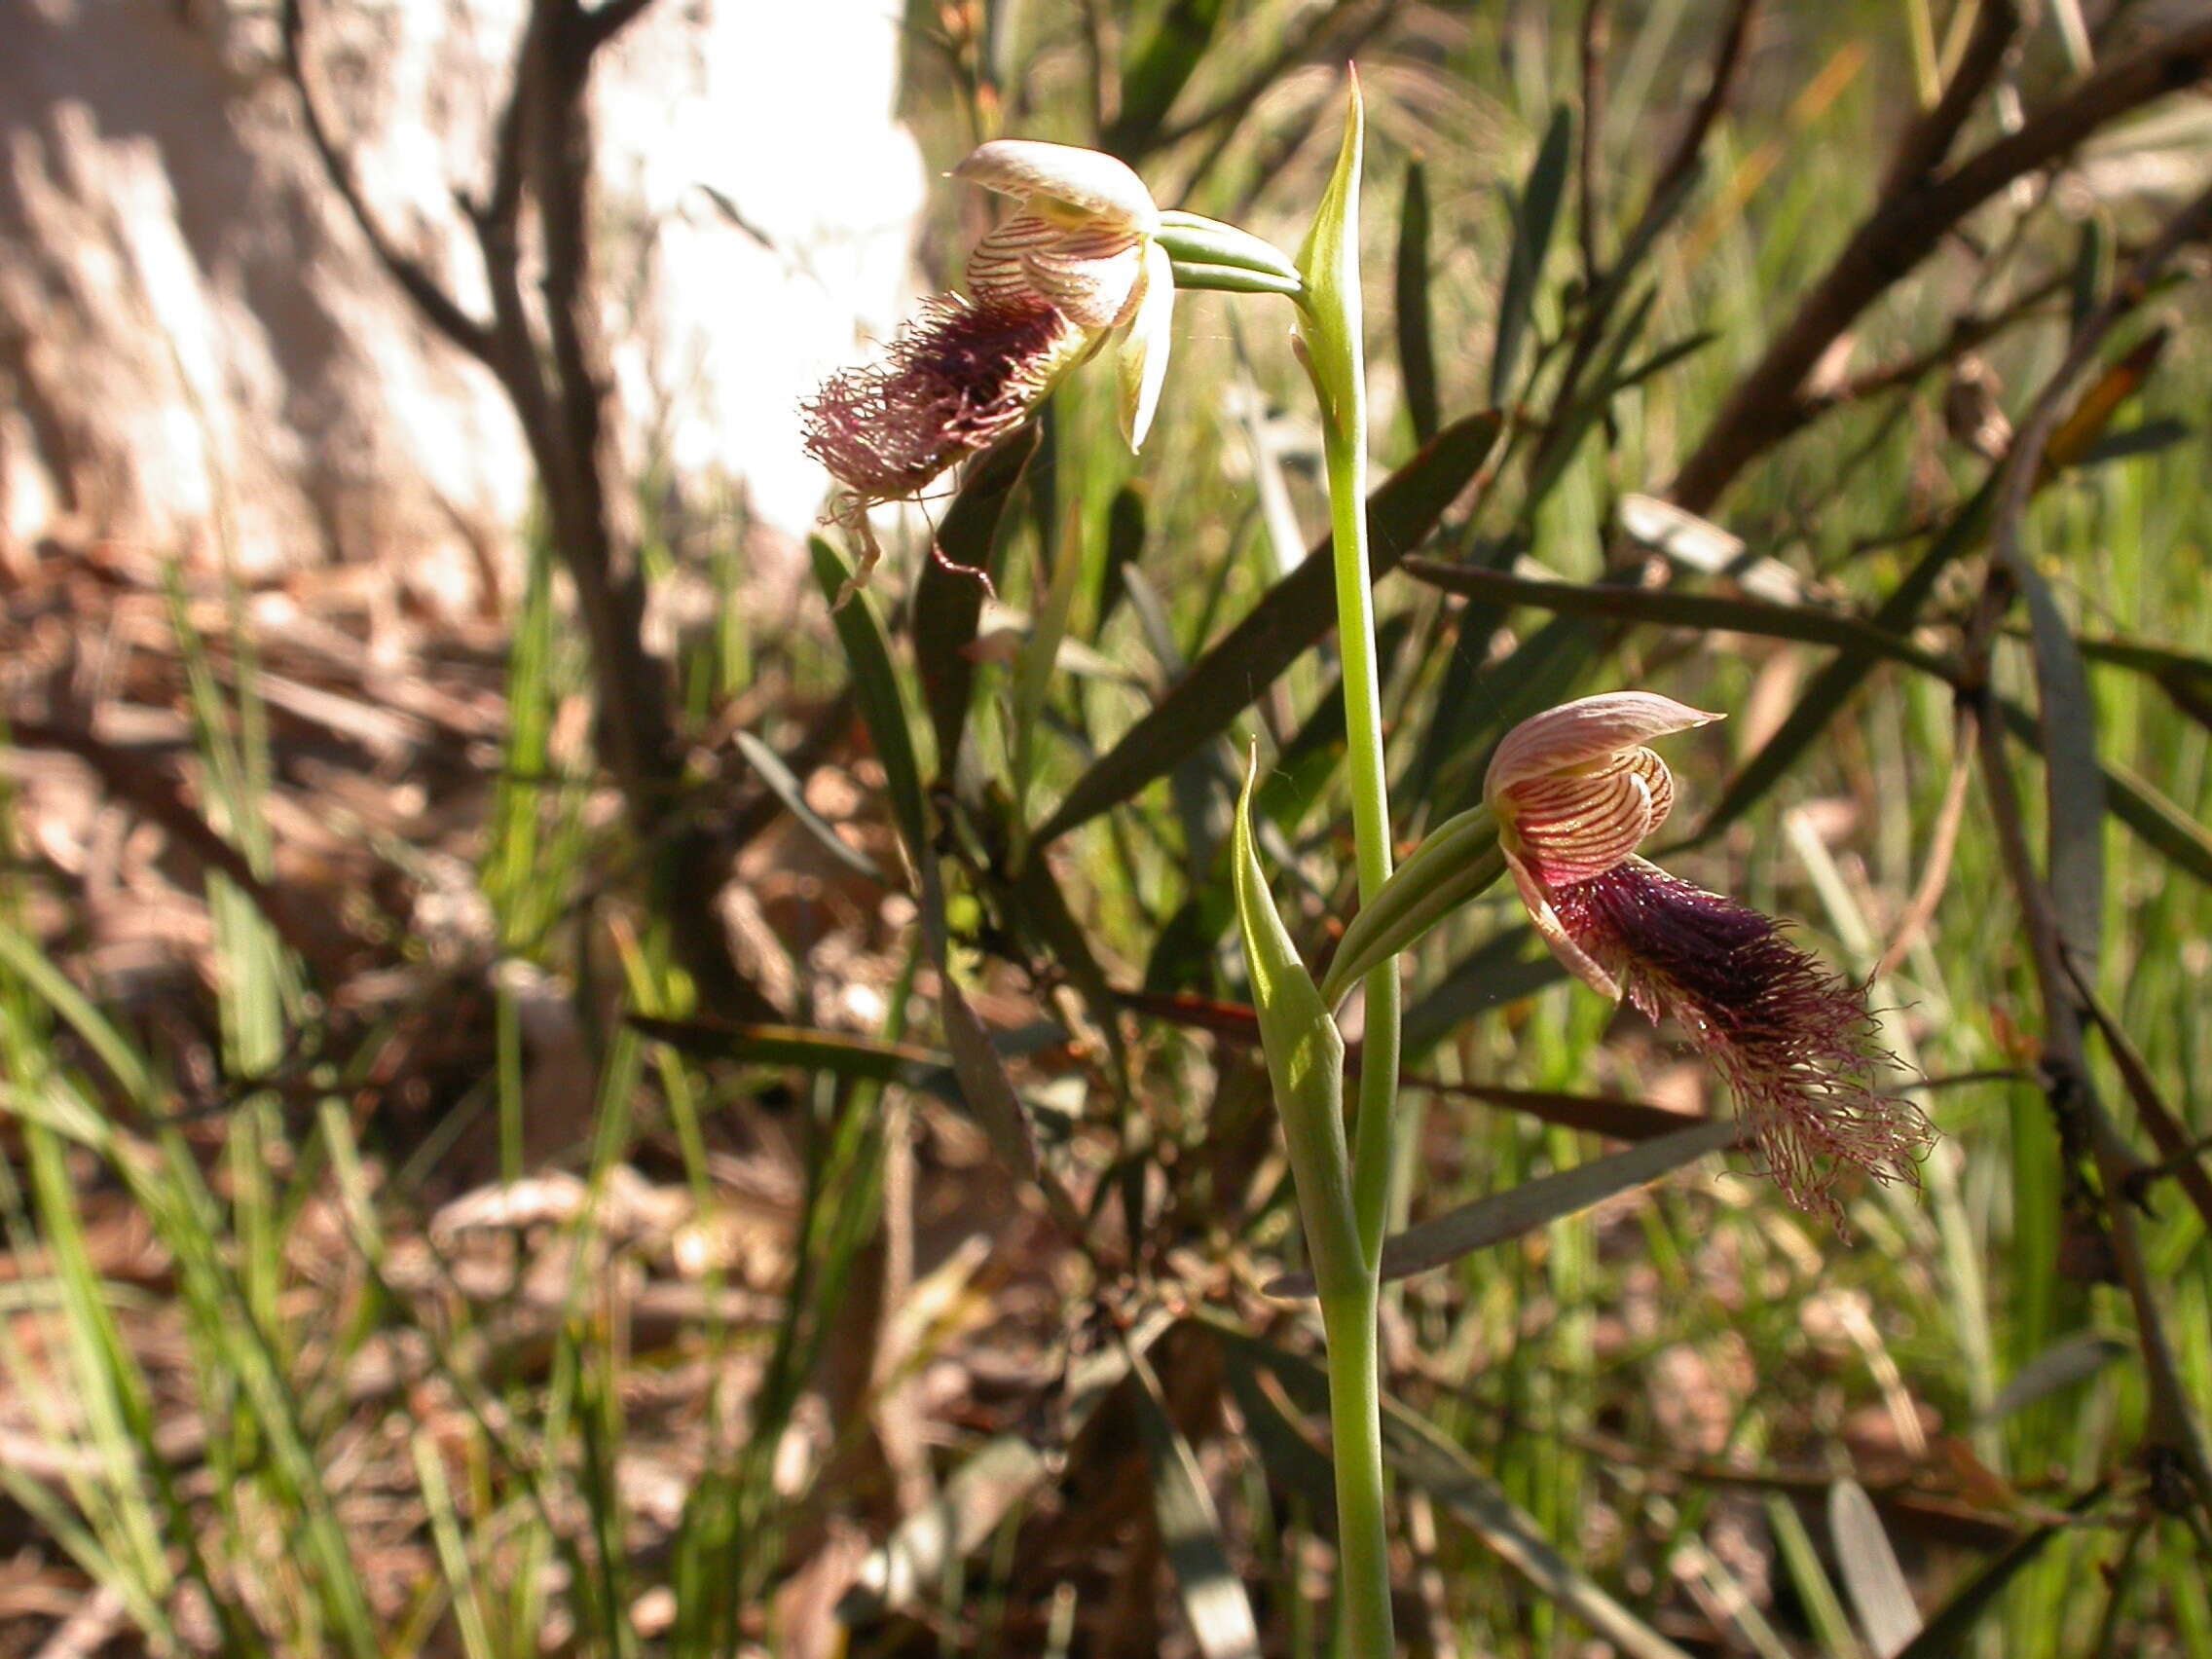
<point>1575,791</point>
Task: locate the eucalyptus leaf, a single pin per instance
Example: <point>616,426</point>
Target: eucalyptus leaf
<point>875,685</point>
<point>1535,216</point>
<point>1416,333</point>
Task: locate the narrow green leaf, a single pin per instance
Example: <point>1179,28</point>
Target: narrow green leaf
<point>948,600</point>
<point>1033,677</point>
<point>1535,216</point>
<point>1288,620</point>
<point>1458,860</point>
<point>1823,1607</point>
<point>2073,795</point>
<point>1191,238</point>
<point>1233,279</point>
<point>1875,1582</point>
<point>2070,1360</point>
<point>882,705</point>
<point>1534,1203</point>
<point>1416,334</point>
<point>1305,1062</point>
<point>769,767</point>
<point>1155,74</point>
<point>1213,1597</point>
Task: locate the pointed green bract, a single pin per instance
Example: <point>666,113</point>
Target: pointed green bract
<point>1305,1062</point>
<point>1329,264</point>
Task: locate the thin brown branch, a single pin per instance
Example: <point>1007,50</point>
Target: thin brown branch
<point>1595,37</point>
<point>2180,1157</point>
<point>553,368</point>
<point>608,19</point>
<point>1901,232</point>
<point>1965,334</point>
<point>2173,1434</point>
<point>438,308</point>
<point>1730,49</point>
<point>1929,140</point>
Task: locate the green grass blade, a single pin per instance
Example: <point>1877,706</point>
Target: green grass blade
<point>1293,617</point>
<point>1535,216</point>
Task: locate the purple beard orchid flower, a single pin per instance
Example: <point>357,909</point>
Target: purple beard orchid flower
<point>1575,793</point>
<point>1076,265</point>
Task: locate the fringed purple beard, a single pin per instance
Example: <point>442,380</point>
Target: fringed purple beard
<point>1795,1042</point>
<point>954,381</point>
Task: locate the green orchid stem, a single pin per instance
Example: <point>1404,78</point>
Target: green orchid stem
<point>1331,326</point>
<point>1370,820</point>
<point>1355,1437</point>
<point>1355,1403</point>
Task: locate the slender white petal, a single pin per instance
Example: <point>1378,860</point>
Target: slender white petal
<point>1142,359</point>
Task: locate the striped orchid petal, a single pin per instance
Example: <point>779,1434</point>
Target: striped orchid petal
<point>1091,272</point>
<point>1588,730</point>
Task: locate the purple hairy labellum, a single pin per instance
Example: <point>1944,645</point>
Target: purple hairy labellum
<point>1575,791</point>
<point>953,383</point>
<point>1794,1041</point>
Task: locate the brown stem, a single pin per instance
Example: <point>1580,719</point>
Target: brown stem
<point>1905,226</point>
